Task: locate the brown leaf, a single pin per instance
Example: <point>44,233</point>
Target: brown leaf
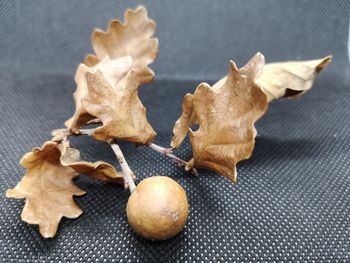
<point>290,79</point>
<point>120,109</point>
<point>253,68</point>
<point>125,46</point>
<point>226,113</point>
<point>114,71</point>
<point>132,38</point>
<point>286,79</point>
<point>48,188</point>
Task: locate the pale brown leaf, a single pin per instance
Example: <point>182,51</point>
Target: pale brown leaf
<point>290,79</point>
<point>120,109</point>
<point>132,38</point>
<point>226,133</point>
<point>226,114</point>
<point>253,69</point>
<point>48,188</point>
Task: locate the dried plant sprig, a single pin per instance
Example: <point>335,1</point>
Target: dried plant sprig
<point>107,94</point>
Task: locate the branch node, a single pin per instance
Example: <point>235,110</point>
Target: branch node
<point>168,152</point>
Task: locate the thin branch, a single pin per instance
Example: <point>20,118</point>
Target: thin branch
<point>162,150</point>
<point>127,173</point>
<point>94,121</point>
<point>167,152</point>
<point>88,132</point>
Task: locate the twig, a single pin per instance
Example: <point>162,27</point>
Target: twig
<point>167,152</point>
<point>88,132</point>
<point>127,173</point>
<point>162,150</point>
<point>94,121</point>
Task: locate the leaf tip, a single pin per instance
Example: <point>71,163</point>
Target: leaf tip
<point>233,72</point>
<point>233,66</point>
<point>12,193</point>
<point>324,62</point>
<point>48,231</point>
<point>255,66</point>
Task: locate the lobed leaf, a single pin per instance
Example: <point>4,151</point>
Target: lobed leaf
<point>48,184</point>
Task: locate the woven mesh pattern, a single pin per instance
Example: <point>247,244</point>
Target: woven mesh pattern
<point>292,199</point>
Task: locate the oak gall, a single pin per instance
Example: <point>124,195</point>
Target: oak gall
<point>158,208</point>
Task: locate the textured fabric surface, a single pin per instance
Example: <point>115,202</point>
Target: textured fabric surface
<point>292,199</point>
<point>197,37</point>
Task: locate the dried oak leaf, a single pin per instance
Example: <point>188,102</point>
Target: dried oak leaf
<point>188,116</point>
<point>48,188</point>
<point>286,79</point>
<point>226,113</point>
<point>125,46</point>
<point>119,109</point>
<point>114,71</point>
<point>132,38</point>
<point>290,79</point>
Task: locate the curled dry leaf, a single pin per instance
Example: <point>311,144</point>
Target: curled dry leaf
<point>99,170</point>
<point>290,79</point>
<point>124,47</point>
<point>226,113</point>
<point>48,188</point>
<point>119,108</point>
<point>286,79</point>
<point>114,71</point>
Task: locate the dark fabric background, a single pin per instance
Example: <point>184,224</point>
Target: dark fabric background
<point>291,202</point>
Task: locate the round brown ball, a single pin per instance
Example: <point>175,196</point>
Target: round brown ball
<point>158,208</point>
